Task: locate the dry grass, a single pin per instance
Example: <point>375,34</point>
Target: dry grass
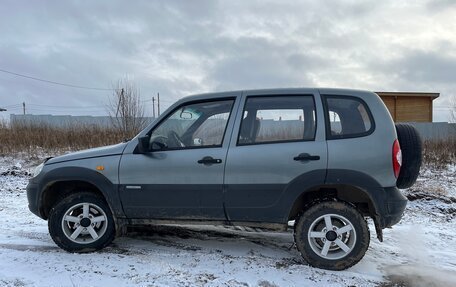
<point>439,153</point>
<point>31,138</point>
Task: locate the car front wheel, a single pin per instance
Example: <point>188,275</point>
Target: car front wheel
<point>332,235</point>
<point>81,222</point>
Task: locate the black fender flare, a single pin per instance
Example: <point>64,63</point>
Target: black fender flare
<point>104,185</point>
<point>363,182</point>
<point>338,179</point>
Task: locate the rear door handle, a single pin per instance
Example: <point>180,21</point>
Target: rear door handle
<point>208,160</point>
<point>306,157</point>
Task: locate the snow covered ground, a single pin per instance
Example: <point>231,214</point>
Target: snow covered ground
<point>419,251</point>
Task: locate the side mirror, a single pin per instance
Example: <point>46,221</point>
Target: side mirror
<point>143,144</point>
<point>186,115</point>
<point>197,142</point>
<point>157,146</point>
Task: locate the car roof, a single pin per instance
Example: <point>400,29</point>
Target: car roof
<point>276,91</point>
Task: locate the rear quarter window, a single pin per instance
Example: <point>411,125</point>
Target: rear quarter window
<point>347,117</point>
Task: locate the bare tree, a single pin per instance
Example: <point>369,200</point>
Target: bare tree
<point>125,108</point>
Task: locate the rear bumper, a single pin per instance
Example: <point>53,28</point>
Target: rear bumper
<point>391,207</point>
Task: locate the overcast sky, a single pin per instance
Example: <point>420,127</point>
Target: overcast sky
<point>179,48</point>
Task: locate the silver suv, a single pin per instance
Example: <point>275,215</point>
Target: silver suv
<point>323,158</point>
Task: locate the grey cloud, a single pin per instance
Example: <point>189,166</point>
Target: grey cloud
<point>419,67</point>
<point>184,47</point>
<point>300,61</point>
<point>256,63</point>
<point>439,5</point>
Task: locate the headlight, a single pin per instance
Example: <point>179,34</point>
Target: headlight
<point>38,169</point>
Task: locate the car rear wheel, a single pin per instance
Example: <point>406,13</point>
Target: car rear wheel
<point>331,235</point>
<point>81,222</point>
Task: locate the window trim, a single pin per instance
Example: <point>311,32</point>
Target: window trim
<point>312,96</point>
<point>149,133</point>
<point>328,134</point>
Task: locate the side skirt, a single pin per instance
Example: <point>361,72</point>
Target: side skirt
<point>262,225</point>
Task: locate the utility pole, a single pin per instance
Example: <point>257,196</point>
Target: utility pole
<point>23,107</point>
<point>158,103</point>
<point>153,106</point>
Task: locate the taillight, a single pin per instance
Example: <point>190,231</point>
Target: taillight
<point>397,158</point>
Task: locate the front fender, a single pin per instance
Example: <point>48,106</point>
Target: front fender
<point>103,184</point>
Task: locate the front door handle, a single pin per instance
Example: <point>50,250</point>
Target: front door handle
<point>306,157</point>
<point>208,160</point>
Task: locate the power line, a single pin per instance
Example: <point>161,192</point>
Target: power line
<point>53,82</point>
<point>66,109</point>
<point>42,107</point>
<point>12,106</point>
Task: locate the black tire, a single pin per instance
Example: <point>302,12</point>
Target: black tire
<point>411,147</point>
<point>357,238</point>
<point>58,228</point>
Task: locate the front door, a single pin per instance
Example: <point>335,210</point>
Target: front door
<point>182,175</point>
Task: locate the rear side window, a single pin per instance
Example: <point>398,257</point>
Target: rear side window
<point>347,117</point>
<point>269,119</point>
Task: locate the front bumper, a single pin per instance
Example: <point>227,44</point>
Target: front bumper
<point>33,197</point>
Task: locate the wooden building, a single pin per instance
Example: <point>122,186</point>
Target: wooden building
<point>409,106</point>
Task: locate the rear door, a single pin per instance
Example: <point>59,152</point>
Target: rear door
<point>277,140</point>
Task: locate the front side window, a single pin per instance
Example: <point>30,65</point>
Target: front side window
<point>211,130</point>
<point>347,117</point>
<point>193,125</point>
<point>269,119</point>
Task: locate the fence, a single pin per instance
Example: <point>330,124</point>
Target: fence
<point>436,131</point>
